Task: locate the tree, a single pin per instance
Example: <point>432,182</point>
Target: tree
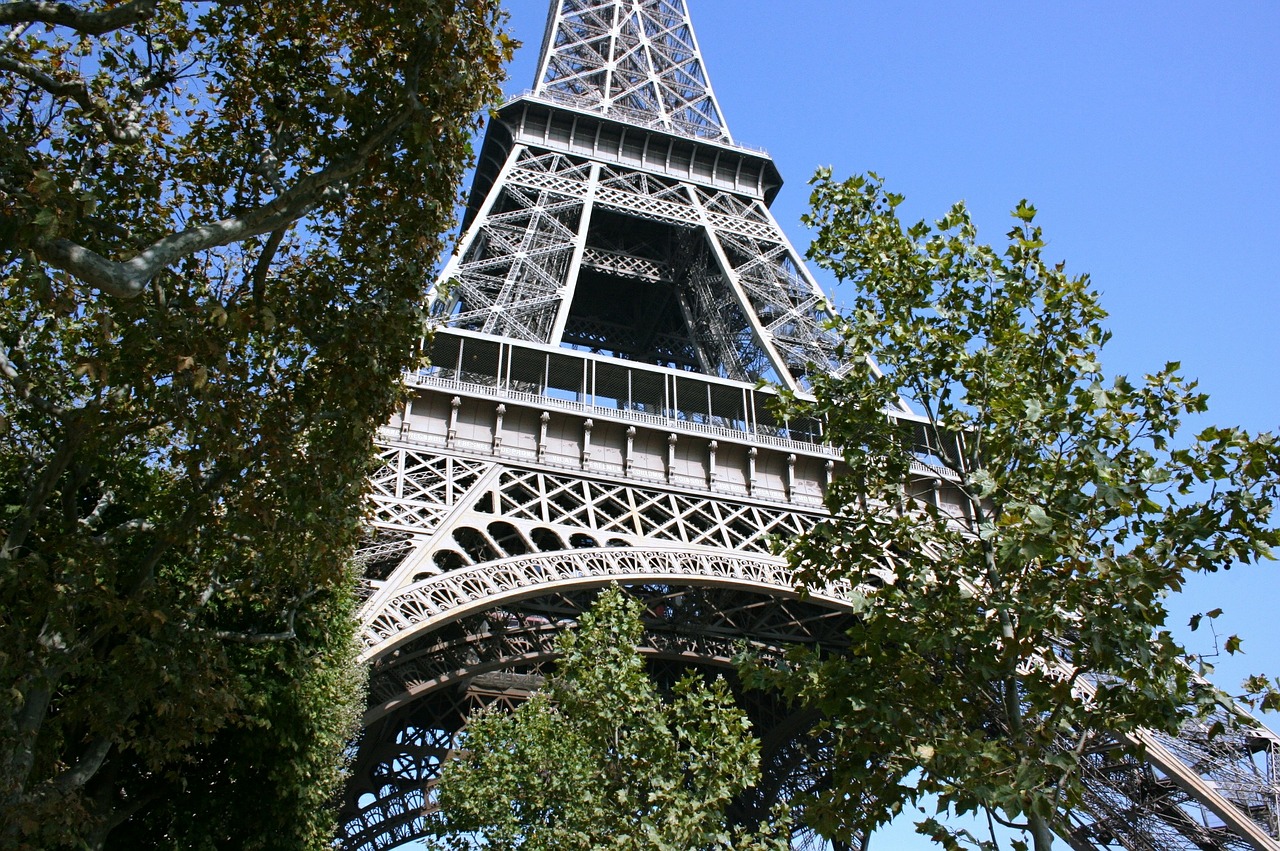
<point>598,757</point>
<point>1014,619</point>
<point>216,220</point>
<point>267,779</point>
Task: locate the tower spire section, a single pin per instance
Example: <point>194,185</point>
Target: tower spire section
<point>634,60</point>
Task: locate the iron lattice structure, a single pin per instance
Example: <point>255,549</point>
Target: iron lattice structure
<point>592,415</point>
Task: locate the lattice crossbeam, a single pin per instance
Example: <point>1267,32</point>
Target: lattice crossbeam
<point>499,655</point>
<point>636,60</point>
<point>447,597</point>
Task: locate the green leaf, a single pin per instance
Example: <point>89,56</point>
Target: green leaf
<point>1040,521</point>
<point>211,459</point>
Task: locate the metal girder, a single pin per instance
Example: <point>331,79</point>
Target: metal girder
<point>514,572</point>
<point>1214,785</point>
<point>435,601</point>
<point>635,60</point>
<point>592,417</point>
<point>422,693</point>
<point>749,308</point>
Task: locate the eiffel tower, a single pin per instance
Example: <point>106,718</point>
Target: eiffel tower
<point>594,413</point>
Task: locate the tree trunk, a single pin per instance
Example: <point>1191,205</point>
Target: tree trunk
<point>1040,833</point>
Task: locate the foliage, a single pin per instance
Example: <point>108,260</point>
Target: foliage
<point>598,757</point>
<point>268,779</point>
<point>215,222</point>
<point>1013,618</point>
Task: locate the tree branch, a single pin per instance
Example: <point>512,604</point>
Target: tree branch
<point>1060,787</point>
<point>28,720</point>
<point>193,514</point>
<point>113,535</point>
<point>123,134</point>
<point>1003,822</point>
<point>94,519</point>
<point>263,265</point>
<point>125,131</point>
<point>86,767</point>
<point>82,21</point>
<point>287,634</point>
<point>115,813</point>
<point>7,368</point>
<point>254,638</point>
<point>43,487</point>
<point>14,34</point>
<point>127,279</point>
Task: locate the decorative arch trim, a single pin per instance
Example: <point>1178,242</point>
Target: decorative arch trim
<point>438,600</point>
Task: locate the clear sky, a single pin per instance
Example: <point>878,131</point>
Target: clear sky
<point>1147,134</point>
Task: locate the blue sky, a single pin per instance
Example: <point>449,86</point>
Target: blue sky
<point>1147,134</point>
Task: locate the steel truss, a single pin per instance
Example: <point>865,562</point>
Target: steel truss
<point>422,695</point>
<point>740,303</point>
<point>591,416</point>
<point>637,61</point>
<point>484,560</point>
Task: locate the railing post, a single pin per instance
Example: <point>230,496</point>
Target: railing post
<point>500,412</point>
<point>628,458</point>
<point>452,434</point>
<point>543,420</point>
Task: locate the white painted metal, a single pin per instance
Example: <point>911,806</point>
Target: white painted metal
<point>440,599</point>
<point>513,277</point>
<point>634,60</point>
<point>591,416</point>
